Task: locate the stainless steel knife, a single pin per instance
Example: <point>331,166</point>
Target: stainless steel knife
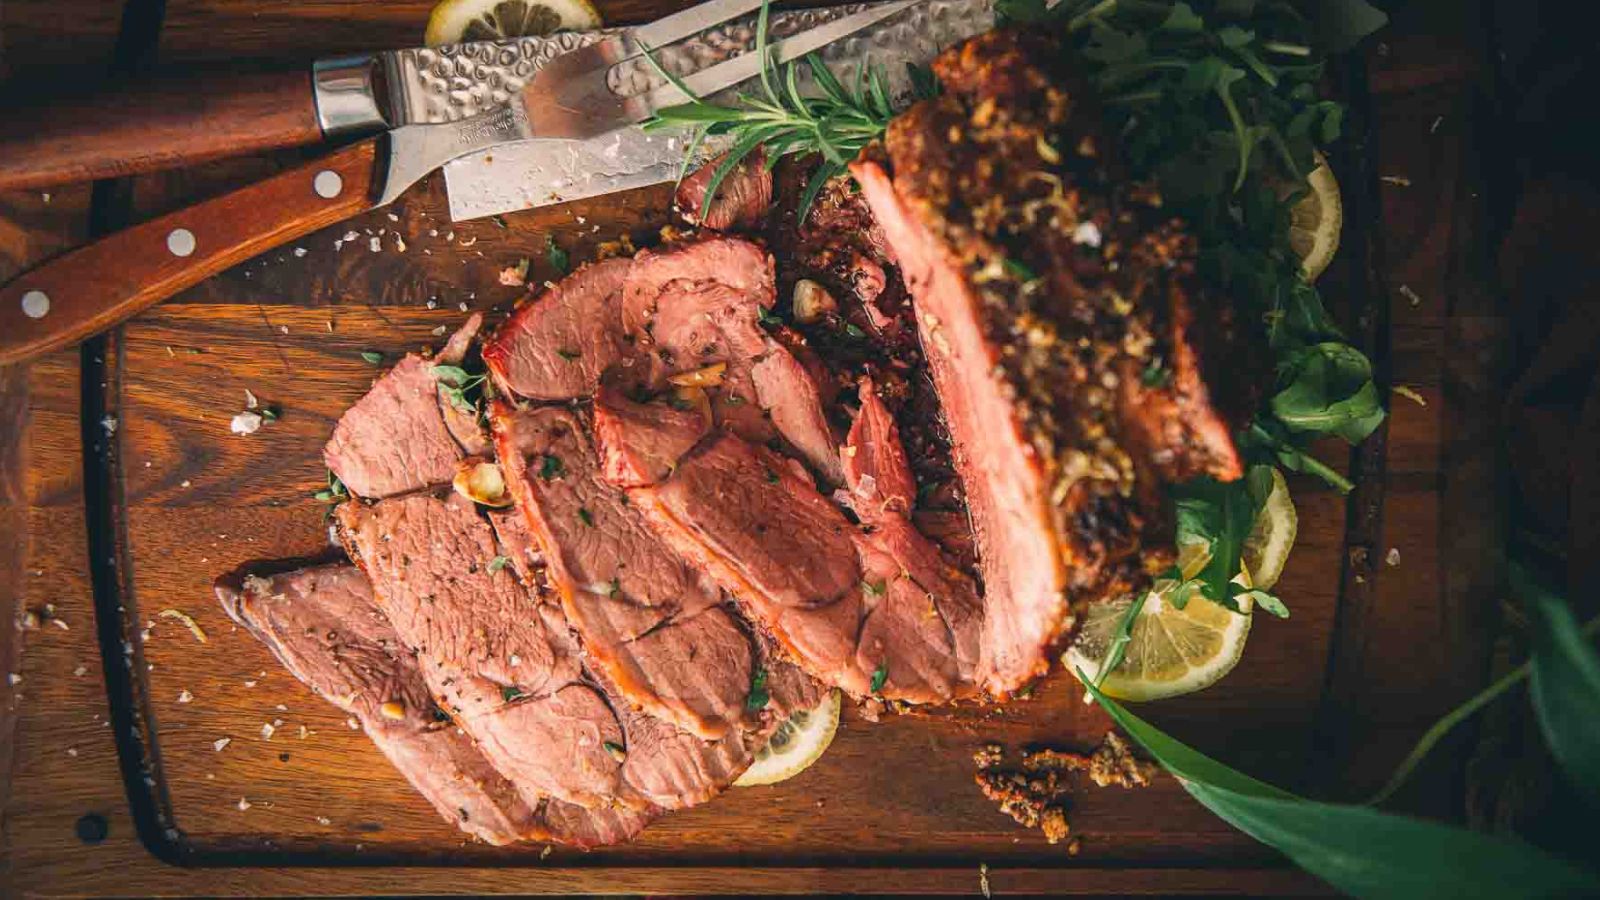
<point>457,106</point>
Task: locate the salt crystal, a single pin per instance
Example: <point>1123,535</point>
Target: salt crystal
<point>350,236</point>
<point>243,804</point>
<point>1087,234</point>
<point>245,423</point>
<point>184,696</point>
<point>250,401</point>
<point>299,252</point>
<point>72,751</point>
<point>267,730</point>
<point>375,245</point>
<point>219,744</point>
<point>109,423</point>
<point>1393,557</point>
<point>80,671</point>
<point>250,684</point>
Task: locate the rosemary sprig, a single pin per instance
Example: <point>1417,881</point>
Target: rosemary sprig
<point>835,123</point>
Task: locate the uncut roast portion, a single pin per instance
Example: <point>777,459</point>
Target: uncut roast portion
<point>1076,358</point>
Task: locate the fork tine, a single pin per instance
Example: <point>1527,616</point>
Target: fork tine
<point>688,22</point>
<point>747,65</point>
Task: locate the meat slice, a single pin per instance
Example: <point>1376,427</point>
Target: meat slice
<point>870,611</point>
<point>696,304</point>
<point>500,663</point>
<point>643,440</point>
<point>395,438</point>
<point>741,200</point>
<point>876,471</point>
<point>652,624</point>
<point>1057,305</point>
<point>556,345</point>
<point>324,625</point>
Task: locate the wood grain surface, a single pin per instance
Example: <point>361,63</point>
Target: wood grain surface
<point>891,808</point>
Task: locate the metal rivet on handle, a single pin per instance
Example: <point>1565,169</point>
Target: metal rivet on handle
<point>327,184</point>
<point>180,241</point>
<point>35,304</point>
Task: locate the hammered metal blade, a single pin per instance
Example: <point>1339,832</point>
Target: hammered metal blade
<point>543,172</point>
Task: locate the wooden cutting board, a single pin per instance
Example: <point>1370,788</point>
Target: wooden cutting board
<point>131,494</point>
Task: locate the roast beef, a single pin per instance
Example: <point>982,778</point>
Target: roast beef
<point>696,304</point>
<point>651,624</point>
<point>322,623</point>
<point>395,438</point>
<point>502,664</point>
<point>1053,300</point>
<point>741,199</point>
<point>872,610</point>
<point>556,345</point>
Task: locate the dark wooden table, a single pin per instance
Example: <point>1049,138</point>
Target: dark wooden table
<point>1405,569</point>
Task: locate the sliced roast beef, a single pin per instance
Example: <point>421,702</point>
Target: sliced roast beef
<point>868,610</point>
<point>501,663</point>
<point>652,624</point>
<point>700,304</point>
<point>643,439</point>
<point>556,345</point>
<point>741,200</point>
<point>876,472</point>
<point>324,625</point>
<point>1048,290</point>
<point>395,438</point>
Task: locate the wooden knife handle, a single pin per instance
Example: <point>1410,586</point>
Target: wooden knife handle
<point>158,124</point>
<point>97,286</point>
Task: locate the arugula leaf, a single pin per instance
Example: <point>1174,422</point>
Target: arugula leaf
<point>1565,683</point>
<point>1329,390</point>
<point>1221,514</point>
<point>1340,24</point>
<point>1358,850</point>
<point>1268,437</point>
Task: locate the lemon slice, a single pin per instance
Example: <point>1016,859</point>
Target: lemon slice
<point>1314,222</point>
<point>1271,538</point>
<point>459,21</point>
<point>798,742</point>
<point>1172,651</point>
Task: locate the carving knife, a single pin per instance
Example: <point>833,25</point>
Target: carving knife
<point>458,107</point>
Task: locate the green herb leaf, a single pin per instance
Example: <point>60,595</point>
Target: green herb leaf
<point>498,563</point>
<point>1360,851</point>
<point>766,316</point>
<point>879,676</point>
<point>851,329</point>
<point>585,516</point>
<point>1220,514</point>
<point>1340,24</point>
<point>615,749</point>
<point>1118,648</point>
<point>454,375</point>
<point>568,355</point>
<point>874,589</point>
<point>758,698</point>
<point>1565,683</point>
<point>551,467</point>
<point>1329,390</point>
<point>1155,375</point>
<point>1019,269</point>
<point>323,495</point>
<point>373,357</point>
<point>558,258</point>
<point>510,693</point>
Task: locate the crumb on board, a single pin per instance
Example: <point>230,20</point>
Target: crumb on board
<point>1035,793</point>
<point>188,622</point>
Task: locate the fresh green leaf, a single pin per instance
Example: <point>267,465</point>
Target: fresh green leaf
<point>498,563</point>
<point>1266,601</point>
<point>758,698</point>
<point>510,692</point>
<point>879,676</point>
<point>1120,638</point>
<point>873,589</point>
<point>551,467</point>
<point>568,355</point>
<point>373,357</point>
<point>557,257</point>
<point>1329,390</point>
<point>616,750</point>
<point>1221,514</point>
<point>1182,18</point>
<point>454,375</point>
<point>586,517</point>
<point>1340,24</point>
<point>1565,684</point>
<point>853,330</point>
<point>1358,850</point>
